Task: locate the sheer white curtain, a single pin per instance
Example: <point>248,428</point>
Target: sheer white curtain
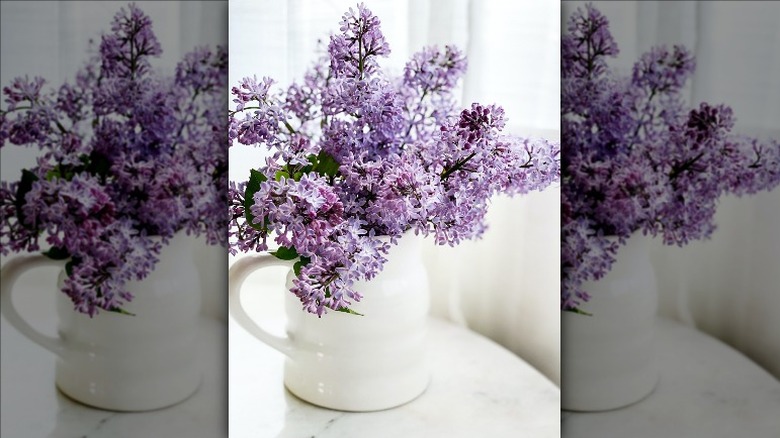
<point>506,285</point>
<point>728,286</point>
<point>50,39</point>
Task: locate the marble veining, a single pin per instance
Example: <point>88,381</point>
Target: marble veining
<point>327,425</point>
<point>477,389</point>
<point>98,426</point>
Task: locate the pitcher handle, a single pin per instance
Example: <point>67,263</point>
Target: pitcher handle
<point>11,272</point>
<point>236,276</point>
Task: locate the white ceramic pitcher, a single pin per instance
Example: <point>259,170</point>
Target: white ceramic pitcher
<point>122,362</point>
<point>608,358</point>
<point>350,362</point>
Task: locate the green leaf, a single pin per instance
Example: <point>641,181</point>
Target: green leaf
<point>57,253</point>
<point>53,173</point>
<point>300,264</point>
<point>281,174</point>
<point>350,311</point>
<point>284,253</point>
<point>253,186</point>
<point>326,165</point>
<point>69,268</point>
<point>63,172</point>
<point>99,164</point>
<point>120,311</point>
<point>578,311</point>
<point>24,187</point>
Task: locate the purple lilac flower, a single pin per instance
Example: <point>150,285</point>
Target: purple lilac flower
<point>432,71</point>
<point>359,158</point>
<point>353,52</point>
<point>637,158</point>
<point>126,51</point>
<point>129,158</point>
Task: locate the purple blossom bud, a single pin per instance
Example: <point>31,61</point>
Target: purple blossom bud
<point>359,158</point>
<point>128,160</point>
<point>637,158</point>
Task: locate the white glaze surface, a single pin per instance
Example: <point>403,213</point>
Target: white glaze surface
<point>348,362</point>
<point>478,389</point>
<point>609,356</point>
<point>117,362</point>
<point>31,406</point>
<point>706,389</point>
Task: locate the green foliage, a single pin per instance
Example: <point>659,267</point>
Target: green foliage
<point>300,264</point>
<point>322,163</point>
<point>69,268</point>
<point>120,311</point>
<point>98,164</point>
<point>255,179</point>
<point>578,311</point>
<point>284,253</point>
<point>350,311</point>
<point>57,253</point>
<point>326,165</point>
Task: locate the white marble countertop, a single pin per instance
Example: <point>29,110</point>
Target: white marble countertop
<point>31,406</point>
<point>478,389</point>
<point>706,389</point>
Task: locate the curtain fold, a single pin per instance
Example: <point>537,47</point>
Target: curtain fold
<point>728,286</point>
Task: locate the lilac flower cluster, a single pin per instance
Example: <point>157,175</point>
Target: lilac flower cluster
<point>129,158</point>
<point>637,157</point>
<point>359,158</point>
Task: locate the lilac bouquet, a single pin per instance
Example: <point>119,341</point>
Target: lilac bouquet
<point>129,158</point>
<point>636,157</point>
<point>358,158</point>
